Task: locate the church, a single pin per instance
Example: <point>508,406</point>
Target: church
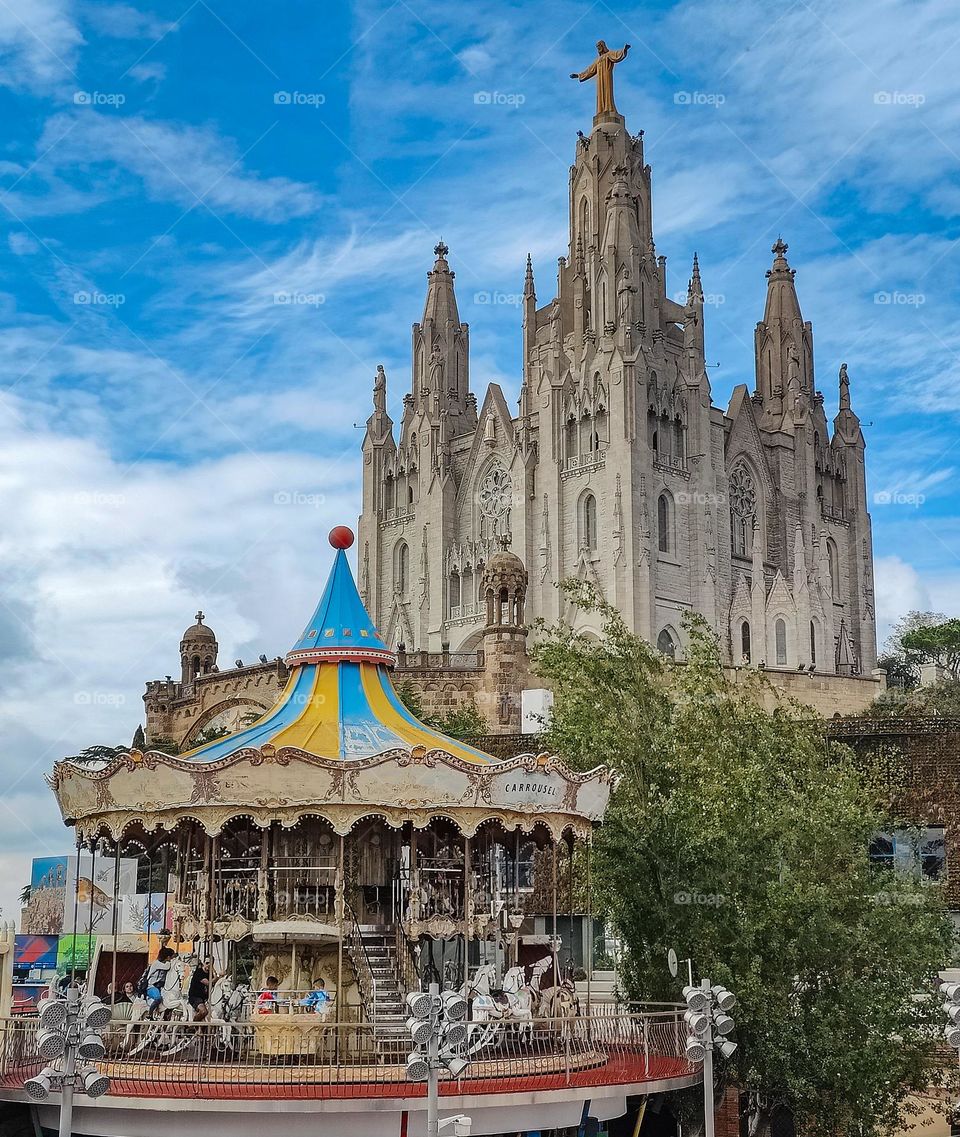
<point>617,467</point>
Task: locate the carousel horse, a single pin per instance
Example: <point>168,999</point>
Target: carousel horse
<point>174,1008</point>
<point>490,1011</point>
<point>226,1008</point>
<point>560,1001</point>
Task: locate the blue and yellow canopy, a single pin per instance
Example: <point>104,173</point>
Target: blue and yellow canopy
<point>339,701</point>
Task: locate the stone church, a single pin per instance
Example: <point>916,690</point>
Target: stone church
<point>617,469</point>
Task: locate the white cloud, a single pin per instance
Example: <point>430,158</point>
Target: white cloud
<point>39,42</point>
<point>186,164</point>
<point>899,589</point>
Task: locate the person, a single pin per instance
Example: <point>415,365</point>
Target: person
<point>128,994</point>
<point>198,994</point>
<point>318,1000</point>
<point>267,999</point>
<point>157,974</point>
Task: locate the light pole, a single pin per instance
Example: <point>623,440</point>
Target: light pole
<point>437,1029</point>
<point>68,1030</point>
<point>708,1024</point>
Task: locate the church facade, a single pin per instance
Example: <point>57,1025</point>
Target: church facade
<point>618,468</point>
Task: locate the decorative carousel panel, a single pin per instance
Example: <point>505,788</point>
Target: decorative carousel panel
<point>283,784</point>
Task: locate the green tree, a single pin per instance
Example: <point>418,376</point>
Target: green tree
<point>739,837</point>
<point>901,662</point>
<point>461,722</point>
<point>97,753</point>
<point>937,643</point>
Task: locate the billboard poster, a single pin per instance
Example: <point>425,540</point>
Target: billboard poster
<point>74,952</point>
<point>48,889</point>
<point>145,914</point>
<point>35,952</point>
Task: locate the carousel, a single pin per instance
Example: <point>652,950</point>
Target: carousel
<point>323,862</point>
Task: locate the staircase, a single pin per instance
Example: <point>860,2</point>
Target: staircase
<point>373,954</point>
<point>603,988</point>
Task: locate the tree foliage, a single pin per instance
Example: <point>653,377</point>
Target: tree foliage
<point>739,838</point>
<point>937,643</point>
<point>901,661</point>
<point>460,722</point>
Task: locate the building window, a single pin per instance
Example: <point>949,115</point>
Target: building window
<point>401,568</point>
<point>780,634</point>
<point>813,642</point>
<point>916,852</point>
<point>589,522</point>
<point>455,590</point>
<point>833,560</point>
<point>743,510</point>
<point>664,526</point>
<point>666,644</point>
<point>745,641</point>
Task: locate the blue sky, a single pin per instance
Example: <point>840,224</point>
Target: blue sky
<point>217,220</point>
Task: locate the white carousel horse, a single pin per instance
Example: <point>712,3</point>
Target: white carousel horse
<point>173,1004</point>
<point>226,1007</point>
<point>514,1007</point>
<point>560,1001</point>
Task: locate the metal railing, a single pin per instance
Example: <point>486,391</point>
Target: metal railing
<point>362,965</point>
<point>277,1057</point>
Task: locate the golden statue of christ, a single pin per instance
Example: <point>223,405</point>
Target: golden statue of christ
<point>602,68</point>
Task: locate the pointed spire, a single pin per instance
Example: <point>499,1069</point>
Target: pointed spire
<point>782,303</point>
<point>528,285</point>
<point>695,283</point>
<point>799,557</point>
<point>757,556</point>
<point>441,302</point>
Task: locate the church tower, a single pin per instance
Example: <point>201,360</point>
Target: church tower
<point>617,469</point>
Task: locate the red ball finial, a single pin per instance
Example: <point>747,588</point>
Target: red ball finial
<point>341,537</point>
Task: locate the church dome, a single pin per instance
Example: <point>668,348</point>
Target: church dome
<point>199,630</point>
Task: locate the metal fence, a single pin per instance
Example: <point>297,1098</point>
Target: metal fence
<point>299,1057</point>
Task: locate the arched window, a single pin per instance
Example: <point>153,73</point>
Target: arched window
<point>390,492</point>
<point>585,222</point>
<point>780,634</point>
<point>666,644</point>
<point>745,641</point>
<point>401,568</point>
<point>813,641</point>
<point>455,591</point>
<point>743,510</point>
<point>664,523</point>
<point>588,524</point>
<point>409,494</point>
<point>572,437</point>
<point>833,558</point>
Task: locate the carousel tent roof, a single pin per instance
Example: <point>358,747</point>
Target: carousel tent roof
<point>339,701</point>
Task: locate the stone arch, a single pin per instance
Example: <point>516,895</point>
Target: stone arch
<point>588,520</point>
<point>668,642</point>
<point>666,523</point>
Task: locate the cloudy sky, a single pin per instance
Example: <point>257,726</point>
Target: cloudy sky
<point>217,220</point>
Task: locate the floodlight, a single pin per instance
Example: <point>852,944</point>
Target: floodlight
<point>950,991</point>
<point>726,1000</point>
<point>96,1014</point>
<point>695,1050</point>
<point>95,1084</point>
<point>727,1048</point>
<point>454,1006</point>
<point>39,1086</point>
<point>952,1035</point>
<point>723,1024</point>
<point>52,1013</point>
<point>456,1065</point>
<point>91,1047</point>
<point>50,1043</point>
<point>455,1034</point>
<point>952,1011</point>
<point>420,1004</point>
<point>697,1021</point>
<point>696,998</point>
<point>418,1068</point>
<point>421,1030</point>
